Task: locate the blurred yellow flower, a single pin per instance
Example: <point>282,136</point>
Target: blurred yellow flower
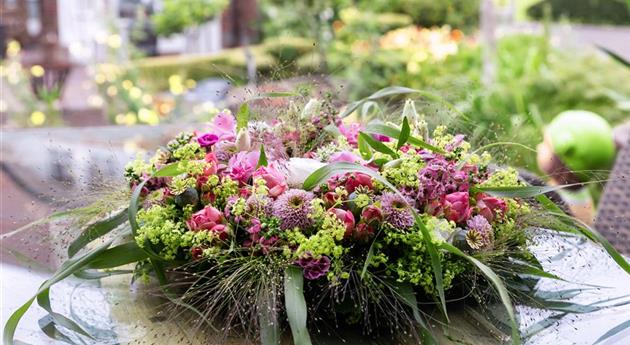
<point>175,84</point>
<point>114,41</point>
<point>99,78</point>
<point>37,71</point>
<point>13,48</point>
<point>147,99</point>
<point>148,116</point>
<point>38,118</point>
<point>127,84</point>
<point>135,92</point>
<point>120,119</point>
<point>190,83</point>
<point>130,118</point>
<point>112,91</point>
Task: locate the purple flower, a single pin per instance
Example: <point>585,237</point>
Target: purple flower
<point>381,138</point>
<point>242,165</point>
<point>259,205</point>
<point>457,140</point>
<point>224,126</point>
<point>397,211</point>
<point>351,132</point>
<point>479,232</point>
<point>293,208</point>
<point>440,177</point>
<point>207,139</point>
<point>314,268</point>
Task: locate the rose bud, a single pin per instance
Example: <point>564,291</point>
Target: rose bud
<point>358,179</point>
<point>489,206</point>
<point>456,207</point>
<point>346,217</point>
<point>330,199</point>
<point>363,232</point>
<point>274,180</point>
<point>371,214</point>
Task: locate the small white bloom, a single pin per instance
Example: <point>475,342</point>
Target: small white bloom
<point>243,140</point>
<point>298,169</point>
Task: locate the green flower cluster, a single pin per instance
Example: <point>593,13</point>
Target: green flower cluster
<point>159,226</point>
<point>404,173</point>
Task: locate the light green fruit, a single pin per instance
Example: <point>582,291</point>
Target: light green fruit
<point>583,141</point>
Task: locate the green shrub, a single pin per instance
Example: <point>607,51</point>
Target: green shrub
<point>585,11</point>
<point>177,15</point>
<point>287,48</point>
<point>456,13</point>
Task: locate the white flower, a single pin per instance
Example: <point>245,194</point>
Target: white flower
<point>298,169</point>
<point>243,140</point>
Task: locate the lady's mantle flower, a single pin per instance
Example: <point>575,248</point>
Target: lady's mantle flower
<point>294,208</point>
<point>397,211</point>
<point>479,233</point>
<point>314,268</point>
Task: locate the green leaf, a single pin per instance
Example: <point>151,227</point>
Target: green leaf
<point>295,305</point>
<point>498,284</point>
<point>119,255</point>
<point>436,263</point>
<point>364,148</point>
<point>168,170</point>
<point>97,230</point>
<point>47,325</point>
<point>242,117</point>
<point>322,174</point>
<point>400,90</point>
<point>406,293</point>
<point>270,333</point>
<point>377,145</point>
<point>379,128</point>
<point>614,331</point>
<point>614,55</point>
<point>405,131</point>
<point>368,257</point>
<point>521,191</point>
<point>67,268</point>
<point>43,299</point>
<point>262,158</point>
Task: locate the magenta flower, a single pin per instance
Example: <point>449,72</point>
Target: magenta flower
<point>456,207</point>
<point>344,156</point>
<point>224,126</point>
<point>274,180</point>
<point>208,139</point>
<point>490,207</point>
<point>351,132</point>
<point>346,217</point>
<point>208,219</point>
<point>355,180</point>
<point>242,165</point>
<point>440,177</point>
<point>314,268</point>
<point>371,214</point>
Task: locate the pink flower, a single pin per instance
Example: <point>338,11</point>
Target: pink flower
<point>207,139</point>
<point>344,156</point>
<point>346,217</point>
<point>208,219</point>
<point>224,126</point>
<point>456,207</point>
<point>274,180</point>
<point>242,165</point>
<point>371,214</point>
<point>351,132</point>
<point>358,180</point>
<point>381,138</point>
<point>363,232</point>
<point>489,206</point>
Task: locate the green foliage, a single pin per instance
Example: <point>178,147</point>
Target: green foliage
<point>177,15</point>
<point>615,12</point>
<point>427,13</point>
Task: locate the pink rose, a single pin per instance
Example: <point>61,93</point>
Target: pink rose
<point>489,206</point>
<point>358,179</point>
<point>363,232</point>
<point>346,217</point>
<point>242,165</point>
<point>208,219</point>
<point>351,132</point>
<point>344,156</point>
<point>274,180</point>
<point>456,207</point>
<point>371,214</point>
<point>224,126</point>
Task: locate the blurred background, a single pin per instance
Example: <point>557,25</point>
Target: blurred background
<point>86,85</point>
